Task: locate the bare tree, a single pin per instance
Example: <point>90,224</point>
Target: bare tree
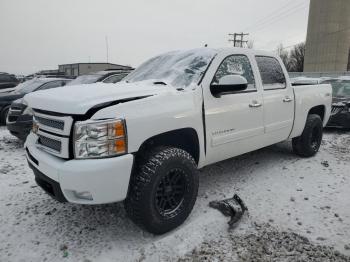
<point>284,55</point>
<point>250,44</point>
<point>296,58</point>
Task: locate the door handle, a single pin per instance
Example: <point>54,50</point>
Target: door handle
<point>255,104</point>
<point>287,99</point>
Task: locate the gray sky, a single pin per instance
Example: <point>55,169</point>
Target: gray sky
<point>40,34</point>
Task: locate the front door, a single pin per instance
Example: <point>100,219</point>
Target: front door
<point>234,121</point>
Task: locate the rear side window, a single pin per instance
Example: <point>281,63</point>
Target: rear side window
<point>271,73</point>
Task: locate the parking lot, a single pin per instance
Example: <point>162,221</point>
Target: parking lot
<point>310,197</point>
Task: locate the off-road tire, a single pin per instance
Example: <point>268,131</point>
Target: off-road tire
<point>3,115</point>
<point>308,144</point>
<point>141,202</point>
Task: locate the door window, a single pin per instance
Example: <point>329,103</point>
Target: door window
<point>236,65</point>
<point>271,73</point>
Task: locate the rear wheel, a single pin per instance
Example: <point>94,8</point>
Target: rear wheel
<point>163,190</point>
<point>309,142</point>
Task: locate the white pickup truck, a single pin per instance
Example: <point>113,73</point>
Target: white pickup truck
<point>142,140</point>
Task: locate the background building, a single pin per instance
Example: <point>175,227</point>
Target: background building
<point>86,68</point>
<point>328,36</point>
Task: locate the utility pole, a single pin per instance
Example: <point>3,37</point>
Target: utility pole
<point>238,39</point>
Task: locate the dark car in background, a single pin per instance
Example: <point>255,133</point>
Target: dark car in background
<point>108,76</point>
<point>19,121</point>
<point>340,116</point>
<point>17,116</point>
<point>7,82</point>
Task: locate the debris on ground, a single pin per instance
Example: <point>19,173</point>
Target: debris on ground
<point>265,243</point>
<point>233,207</point>
<point>325,163</point>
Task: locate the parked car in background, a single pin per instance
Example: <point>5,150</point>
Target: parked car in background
<point>20,91</point>
<point>20,119</point>
<point>340,116</point>
<point>298,81</point>
<point>7,82</point>
<point>109,75</point>
<point>142,139</point>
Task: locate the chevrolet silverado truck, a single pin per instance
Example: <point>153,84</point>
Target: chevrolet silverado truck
<point>143,140</point>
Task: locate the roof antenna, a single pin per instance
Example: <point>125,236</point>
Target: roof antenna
<point>107,50</point>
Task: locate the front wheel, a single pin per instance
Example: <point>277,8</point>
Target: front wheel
<point>308,144</point>
<point>163,190</point>
<point>3,115</point>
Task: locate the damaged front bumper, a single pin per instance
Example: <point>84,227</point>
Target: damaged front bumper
<point>88,181</point>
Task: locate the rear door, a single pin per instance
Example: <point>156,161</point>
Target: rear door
<point>278,99</point>
<point>233,121</point>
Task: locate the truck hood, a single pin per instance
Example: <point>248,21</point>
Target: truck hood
<point>80,98</point>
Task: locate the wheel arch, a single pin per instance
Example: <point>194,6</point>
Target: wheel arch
<point>184,138</point>
<point>318,110</point>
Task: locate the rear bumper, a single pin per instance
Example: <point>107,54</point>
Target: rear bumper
<point>339,120</point>
<point>105,180</point>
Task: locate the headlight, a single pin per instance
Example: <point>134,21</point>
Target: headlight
<point>28,111</point>
<point>97,139</point>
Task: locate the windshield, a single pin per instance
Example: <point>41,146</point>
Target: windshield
<point>178,68</point>
<point>340,87</point>
<point>84,79</point>
<point>29,86</point>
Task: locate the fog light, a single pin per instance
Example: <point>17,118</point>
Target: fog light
<point>86,195</point>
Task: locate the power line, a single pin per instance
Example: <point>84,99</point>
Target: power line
<point>287,47</point>
<point>290,5</point>
<point>279,17</point>
<point>269,15</point>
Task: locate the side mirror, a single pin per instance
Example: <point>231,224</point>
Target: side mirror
<point>63,83</point>
<point>229,84</point>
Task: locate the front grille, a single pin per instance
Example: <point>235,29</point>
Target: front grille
<point>53,133</point>
<point>336,109</point>
<point>50,143</point>
<point>13,118</point>
<point>57,124</point>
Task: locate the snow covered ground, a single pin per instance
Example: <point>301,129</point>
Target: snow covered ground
<point>310,197</point>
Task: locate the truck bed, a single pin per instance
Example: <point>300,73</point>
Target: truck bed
<point>306,98</point>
